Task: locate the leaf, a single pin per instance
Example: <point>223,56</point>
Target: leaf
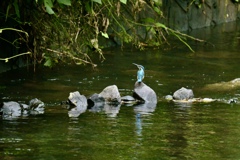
<point>160,25</point>
<point>16,7</point>
<point>104,34</point>
<point>6,60</point>
<point>49,10</point>
<point>65,2</point>
<point>48,62</point>
<point>123,1</point>
<point>98,1</point>
<point>149,20</point>
<point>48,5</point>
<point>8,8</point>
<point>157,10</point>
<point>78,63</point>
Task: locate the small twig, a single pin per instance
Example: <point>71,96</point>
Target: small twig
<point>164,38</point>
<point>77,34</point>
<point>71,56</point>
<point>13,29</point>
<point>6,59</point>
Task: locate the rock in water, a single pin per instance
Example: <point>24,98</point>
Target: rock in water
<point>80,103</point>
<point>111,94</point>
<point>183,94</point>
<point>144,92</point>
<point>11,110</point>
<point>128,100</point>
<point>95,100</point>
<point>36,106</point>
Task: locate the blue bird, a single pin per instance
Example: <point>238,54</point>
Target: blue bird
<point>140,73</point>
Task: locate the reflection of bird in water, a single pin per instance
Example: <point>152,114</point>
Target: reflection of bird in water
<point>138,124</point>
<point>140,73</point>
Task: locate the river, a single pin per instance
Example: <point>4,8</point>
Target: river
<point>170,131</point>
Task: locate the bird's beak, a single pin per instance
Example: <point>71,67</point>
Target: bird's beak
<point>136,65</point>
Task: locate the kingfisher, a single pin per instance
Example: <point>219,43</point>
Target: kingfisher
<point>140,73</point>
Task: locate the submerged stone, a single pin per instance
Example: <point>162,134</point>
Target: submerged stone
<point>127,98</point>
<point>169,97</point>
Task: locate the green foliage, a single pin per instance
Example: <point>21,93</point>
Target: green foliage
<point>49,4</point>
<point>69,30</point>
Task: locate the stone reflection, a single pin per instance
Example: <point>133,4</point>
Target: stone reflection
<point>145,108</point>
<point>183,104</point>
<point>110,110</point>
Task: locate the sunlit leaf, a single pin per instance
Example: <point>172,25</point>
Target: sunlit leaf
<point>6,60</point>
<point>49,10</point>
<point>104,34</point>
<point>65,2</point>
<point>123,1</point>
<point>48,5</point>
<point>160,25</point>
<point>98,1</point>
<point>78,63</point>
<point>48,62</point>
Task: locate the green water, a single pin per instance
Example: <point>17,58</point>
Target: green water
<point>168,131</point>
